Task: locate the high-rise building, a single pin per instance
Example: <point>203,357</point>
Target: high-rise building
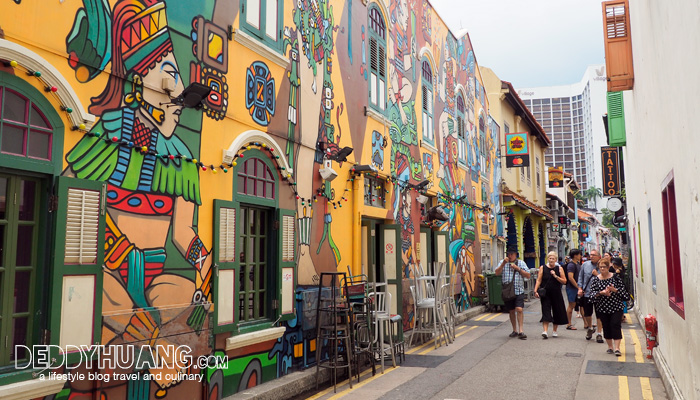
<point>572,117</point>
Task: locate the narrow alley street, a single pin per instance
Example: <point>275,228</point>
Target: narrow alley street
<point>484,363</point>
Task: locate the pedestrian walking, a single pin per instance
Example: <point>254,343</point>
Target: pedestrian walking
<point>619,270</point>
<point>516,271</point>
<point>609,293</point>
<point>572,270</point>
<point>548,290</point>
<point>589,269</point>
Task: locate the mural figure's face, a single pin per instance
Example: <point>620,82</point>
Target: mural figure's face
<point>403,14</point>
<point>164,69</point>
<point>406,205</point>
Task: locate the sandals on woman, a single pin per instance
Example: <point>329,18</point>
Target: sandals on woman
<point>571,328</point>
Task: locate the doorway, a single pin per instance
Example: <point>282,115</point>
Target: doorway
<point>19,258</point>
<point>255,281</point>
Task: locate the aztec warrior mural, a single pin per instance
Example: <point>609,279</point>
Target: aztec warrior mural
<point>213,221</point>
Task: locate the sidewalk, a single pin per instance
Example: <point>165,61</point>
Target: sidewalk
<point>297,383</point>
<point>484,362</point>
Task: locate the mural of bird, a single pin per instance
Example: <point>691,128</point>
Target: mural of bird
<point>89,42</point>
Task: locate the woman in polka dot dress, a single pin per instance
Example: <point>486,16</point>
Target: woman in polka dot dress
<point>609,295</point>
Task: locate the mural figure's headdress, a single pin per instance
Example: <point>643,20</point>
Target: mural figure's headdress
<point>133,38</point>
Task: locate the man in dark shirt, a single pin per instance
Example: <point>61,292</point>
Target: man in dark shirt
<point>572,270</point>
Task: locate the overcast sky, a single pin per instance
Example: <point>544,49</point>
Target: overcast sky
<point>530,42</point>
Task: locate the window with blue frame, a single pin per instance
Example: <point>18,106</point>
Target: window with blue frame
<point>263,19</point>
<point>461,130</point>
<point>427,78</point>
<point>377,59</point>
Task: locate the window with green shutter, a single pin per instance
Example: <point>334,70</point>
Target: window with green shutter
<point>263,19</point>
<point>616,119</point>
<point>427,80</point>
<point>377,60</point>
<point>76,278</point>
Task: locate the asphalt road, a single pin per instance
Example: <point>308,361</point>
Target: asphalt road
<point>484,363</point>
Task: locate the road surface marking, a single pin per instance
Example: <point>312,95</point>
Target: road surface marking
<point>341,384</point>
<point>359,385</point>
<point>482,317</point>
<point>639,357</point>
<point>492,317</point>
<point>622,381</point>
<point>462,333</point>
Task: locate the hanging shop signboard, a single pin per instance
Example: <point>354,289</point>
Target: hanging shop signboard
<point>611,171</point>
<point>556,177</point>
<point>517,150</point>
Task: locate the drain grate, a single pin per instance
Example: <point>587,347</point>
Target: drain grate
<point>596,367</point>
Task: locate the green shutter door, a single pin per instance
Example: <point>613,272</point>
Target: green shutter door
<point>226,263</point>
<point>78,254</point>
<point>286,267</point>
<point>390,252</point>
<point>616,119</point>
<point>425,256</point>
<point>441,251</point>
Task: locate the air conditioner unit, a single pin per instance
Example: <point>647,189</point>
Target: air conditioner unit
<point>422,199</point>
<point>327,172</point>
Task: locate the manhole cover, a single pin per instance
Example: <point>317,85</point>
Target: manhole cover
<point>424,361</point>
<point>573,355</point>
<point>483,323</point>
<point>614,368</point>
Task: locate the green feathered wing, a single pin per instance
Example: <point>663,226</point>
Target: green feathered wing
<point>96,158</point>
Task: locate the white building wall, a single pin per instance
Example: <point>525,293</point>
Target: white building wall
<point>661,114</point>
<point>593,87</point>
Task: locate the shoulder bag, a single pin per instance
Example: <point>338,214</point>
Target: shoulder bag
<point>508,289</point>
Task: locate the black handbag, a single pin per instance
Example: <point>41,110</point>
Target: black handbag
<point>542,292</point>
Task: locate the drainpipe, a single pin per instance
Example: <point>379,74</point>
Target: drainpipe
<point>357,185</point>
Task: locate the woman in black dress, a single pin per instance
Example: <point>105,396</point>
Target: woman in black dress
<point>550,278</point>
<point>609,294</point>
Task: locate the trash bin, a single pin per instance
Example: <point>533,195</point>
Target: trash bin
<point>494,285</point>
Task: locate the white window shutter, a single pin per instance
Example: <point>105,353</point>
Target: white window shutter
<point>227,234</point>
<point>82,225</point>
<point>288,238</point>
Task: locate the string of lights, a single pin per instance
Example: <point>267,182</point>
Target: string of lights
<point>214,168</point>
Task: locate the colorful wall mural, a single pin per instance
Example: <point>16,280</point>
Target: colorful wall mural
<point>292,92</point>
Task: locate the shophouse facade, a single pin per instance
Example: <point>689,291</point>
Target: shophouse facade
<point>185,171</point>
<point>523,188</point>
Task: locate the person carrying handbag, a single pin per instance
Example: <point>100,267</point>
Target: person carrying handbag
<point>513,272</point>
<point>609,294</point>
<point>548,290</point>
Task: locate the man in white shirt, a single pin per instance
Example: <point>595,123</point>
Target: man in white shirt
<point>512,269</point>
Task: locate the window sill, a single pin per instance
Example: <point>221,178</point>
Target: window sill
<point>247,339</point>
<point>427,145</point>
<point>32,389</point>
<point>259,47</point>
<point>678,307</point>
<point>377,116</point>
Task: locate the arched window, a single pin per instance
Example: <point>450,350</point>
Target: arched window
<point>256,179</point>
<point>377,59</point>
<point>461,130</point>
<point>24,129</point>
<point>427,77</point>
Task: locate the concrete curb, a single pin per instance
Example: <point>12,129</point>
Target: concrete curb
<point>299,382</point>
